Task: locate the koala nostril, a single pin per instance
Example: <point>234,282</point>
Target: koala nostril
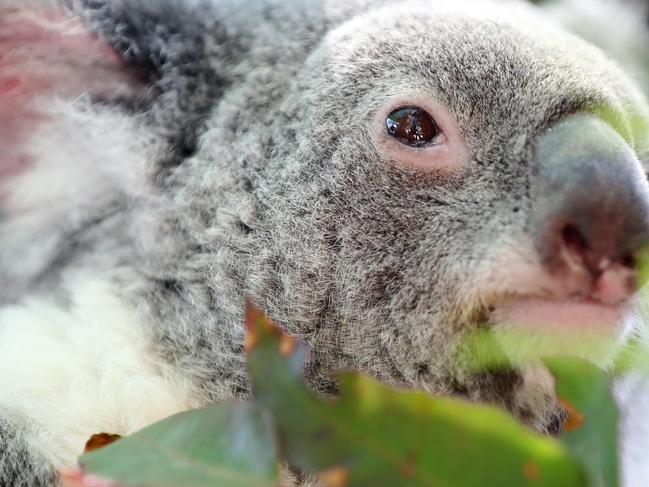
<point>629,261</point>
<point>580,249</point>
<point>587,255</point>
<point>612,280</point>
<point>574,241</point>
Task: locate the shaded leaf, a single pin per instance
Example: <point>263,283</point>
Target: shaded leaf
<point>226,445</point>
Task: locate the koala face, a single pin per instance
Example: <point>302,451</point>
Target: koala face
<point>383,179</point>
<point>430,172</point>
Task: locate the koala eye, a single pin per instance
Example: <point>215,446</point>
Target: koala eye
<point>412,126</point>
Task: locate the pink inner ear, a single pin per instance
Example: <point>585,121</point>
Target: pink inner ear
<point>45,53</point>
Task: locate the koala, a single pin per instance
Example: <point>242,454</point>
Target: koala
<point>382,178</point>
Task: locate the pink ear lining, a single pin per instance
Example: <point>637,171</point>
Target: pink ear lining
<point>47,53</point>
<point>54,51</point>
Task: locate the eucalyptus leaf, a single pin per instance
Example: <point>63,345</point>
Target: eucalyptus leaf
<point>225,445</point>
<point>374,435</point>
<point>590,432</point>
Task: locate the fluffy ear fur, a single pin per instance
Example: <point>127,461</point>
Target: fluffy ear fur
<point>166,42</point>
<point>46,52</point>
<point>85,46</point>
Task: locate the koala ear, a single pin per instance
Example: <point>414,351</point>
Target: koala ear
<point>166,41</point>
<point>96,99</point>
<point>47,54</point>
<point>157,36</point>
<point>147,56</point>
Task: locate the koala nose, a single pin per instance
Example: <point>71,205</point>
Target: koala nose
<point>590,206</point>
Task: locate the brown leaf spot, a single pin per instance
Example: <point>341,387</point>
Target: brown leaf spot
<point>257,322</point>
<point>253,316</point>
<point>531,471</point>
<point>256,319</point>
<point>408,468</point>
<point>100,440</point>
<point>575,417</point>
<point>287,345</point>
<point>334,477</point>
<point>251,341</point>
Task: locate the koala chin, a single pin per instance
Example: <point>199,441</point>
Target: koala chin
<point>382,178</point>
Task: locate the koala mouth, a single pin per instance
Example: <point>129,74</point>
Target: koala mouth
<point>586,315</point>
<point>590,318</point>
<point>533,327</point>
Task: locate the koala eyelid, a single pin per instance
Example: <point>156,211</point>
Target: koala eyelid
<point>437,144</point>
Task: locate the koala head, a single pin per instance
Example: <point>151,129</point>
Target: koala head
<point>417,173</point>
<point>383,179</point>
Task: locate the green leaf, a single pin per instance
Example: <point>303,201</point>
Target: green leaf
<point>590,433</point>
<point>374,435</point>
<point>226,445</point>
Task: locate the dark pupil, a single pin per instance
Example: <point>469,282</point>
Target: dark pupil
<point>412,126</point>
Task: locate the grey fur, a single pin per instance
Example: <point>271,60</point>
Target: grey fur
<point>20,465</point>
<point>266,184</point>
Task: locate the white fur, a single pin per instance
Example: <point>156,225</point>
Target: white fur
<point>82,154</point>
<point>80,368</point>
<point>85,159</point>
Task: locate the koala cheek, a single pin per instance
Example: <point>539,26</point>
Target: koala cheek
<point>446,153</point>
